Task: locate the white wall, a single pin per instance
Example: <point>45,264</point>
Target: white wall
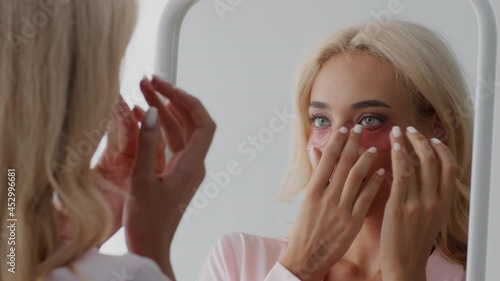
<point>241,64</point>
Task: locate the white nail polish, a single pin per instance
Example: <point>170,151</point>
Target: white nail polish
<point>372,150</point>
<point>358,129</point>
<point>396,147</point>
<point>396,131</point>
<point>435,140</point>
<point>151,117</point>
<point>343,130</point>
<point>411,130</point>
<point>313,157</point>
<point>381,172</point>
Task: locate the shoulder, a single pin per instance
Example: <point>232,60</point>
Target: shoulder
<point>96,266</point>
<point>440,268</point>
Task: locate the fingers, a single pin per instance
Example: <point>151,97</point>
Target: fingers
<point>347,159</point>
<point>314,156</point>
<point>138,113</point>
<point>356,177</point>
<point>188,106</point>
<point>331,154</point>
<point>184,119</point>
<point>149,137</point>
<point>449,168</point>
<point>429,168</point>
<point>366,196</point>
<point>127,128</point>
<point>191,109</point>
<point>169,123</point>
<point>404,179</point>
<point>203,127</point>
<point>161,160</point>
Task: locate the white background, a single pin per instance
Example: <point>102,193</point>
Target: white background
<point>242,65</point>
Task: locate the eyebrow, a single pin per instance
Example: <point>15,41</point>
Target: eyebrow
<point>358,105</point>
<point>369,103</point>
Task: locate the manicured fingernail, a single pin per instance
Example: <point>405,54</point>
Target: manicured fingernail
<point>396,131</point>
<point>343,130</point>
<point>147,84</point>
<point>358,129</point>
<point>436,141</point>
<point>411,130</point>
<point>151,117</point>
<point>396,147</point>
<point>372,150</point>
<point>312,156</point>
<point>381,172</point>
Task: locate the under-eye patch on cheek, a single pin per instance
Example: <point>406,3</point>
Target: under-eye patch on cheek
<point>379,138</point>
<point>319,138</point>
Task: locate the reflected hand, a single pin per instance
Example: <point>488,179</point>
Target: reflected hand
<point>418,206</point>
<point>332,212</point>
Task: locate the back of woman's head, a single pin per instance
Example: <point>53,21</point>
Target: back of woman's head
<point>59,72</point>
<point>427,71</point>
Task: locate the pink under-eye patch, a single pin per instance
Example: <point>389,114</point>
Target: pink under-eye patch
<point>378,138</point>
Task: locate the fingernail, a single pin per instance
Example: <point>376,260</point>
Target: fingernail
<point>436,141</point>
<point>372,150</point>
<point>358,129</point>
<point>396,131</point>
<point>343,130</point>
<point>396,147</point>
<point>381,172</point>
<point>151,117</point>
<point>147,83</point>
<point>312,156</point>
<point>411,130</point>
<point>149,76</point>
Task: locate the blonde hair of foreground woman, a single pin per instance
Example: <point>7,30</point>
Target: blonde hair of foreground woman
<point>429,72</point>
<point>58,80</point>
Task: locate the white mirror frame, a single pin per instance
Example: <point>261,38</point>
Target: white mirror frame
<point>166,57</point>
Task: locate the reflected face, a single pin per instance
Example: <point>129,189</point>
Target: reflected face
<point>360,89</point>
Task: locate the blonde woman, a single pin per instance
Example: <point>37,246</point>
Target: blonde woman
<point>382,148</point>
<point>60,62</point>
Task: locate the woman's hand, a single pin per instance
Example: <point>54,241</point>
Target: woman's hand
<point>117,161</point>
<point>333,210</point>
<point>418,206</point>
<point>156,201</point>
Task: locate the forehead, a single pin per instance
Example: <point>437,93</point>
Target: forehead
<point>350,78</point>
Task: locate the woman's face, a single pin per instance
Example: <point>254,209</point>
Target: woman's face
<point>360,89</point>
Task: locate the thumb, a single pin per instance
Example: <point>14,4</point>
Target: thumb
<point>149,137</point>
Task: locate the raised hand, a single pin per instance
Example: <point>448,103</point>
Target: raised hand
<point>419,204</point>
<point>334,207</point>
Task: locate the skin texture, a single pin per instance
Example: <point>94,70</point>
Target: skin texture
<point>346,229</point>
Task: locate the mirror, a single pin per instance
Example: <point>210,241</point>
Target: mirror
<point>241,58</point>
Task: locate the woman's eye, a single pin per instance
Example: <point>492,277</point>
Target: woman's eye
<point>370,121</point>
<point>320,122</point>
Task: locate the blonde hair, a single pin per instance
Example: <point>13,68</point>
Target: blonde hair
<point>59,77</point>
<point>429,72</point>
